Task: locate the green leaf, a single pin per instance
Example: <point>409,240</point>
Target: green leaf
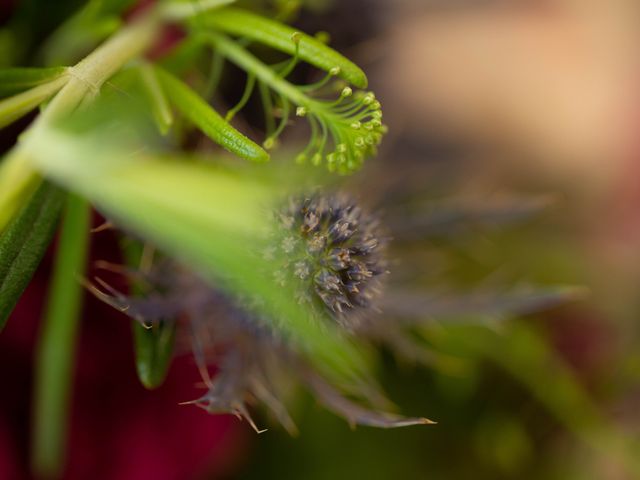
<point>208,120</point>
<point>12,108</point>
<point>16,80</point>
<point>24,243</point>
<point>57,343</point>
<point>269,32</point>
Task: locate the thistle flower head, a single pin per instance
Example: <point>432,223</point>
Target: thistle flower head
<point>333,253</point>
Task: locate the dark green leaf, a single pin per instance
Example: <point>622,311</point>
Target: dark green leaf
<point>24,243</point>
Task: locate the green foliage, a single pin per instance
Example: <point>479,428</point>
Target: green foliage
<point>192,106</point>
<point>16,80</point>
<point>24,243</point>
<point>274,34</point>
<point>57,343</point>
<point>17,106</point>
<point>353,122</point>
<point>156,98</point>
<point>182,207</point>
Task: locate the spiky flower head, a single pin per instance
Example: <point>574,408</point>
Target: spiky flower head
<point>333,253</point>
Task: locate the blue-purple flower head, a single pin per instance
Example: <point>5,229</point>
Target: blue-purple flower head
<point>334,255</point>
<point>326,250</point>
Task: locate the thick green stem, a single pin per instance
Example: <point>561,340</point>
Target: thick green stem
<point>56,350</point>
<point>18,178</point>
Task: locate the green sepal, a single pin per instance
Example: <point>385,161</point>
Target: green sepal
<point>153,345</point>
<point>154,352</point>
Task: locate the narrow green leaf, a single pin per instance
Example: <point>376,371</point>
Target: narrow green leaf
<point>208,120</point>
<point>16,80</point>
<point>276,35</point>
<point>24,243</point>
<point>57,344</point>
<point>12,108</point>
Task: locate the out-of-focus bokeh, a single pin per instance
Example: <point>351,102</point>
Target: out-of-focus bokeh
<point>487,101</point>
<point>533,97</point>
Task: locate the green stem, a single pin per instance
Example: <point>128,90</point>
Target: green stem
<point>18,178</point>
<point>56,350</point>
<point>243,59</point>
<point>159,104</point>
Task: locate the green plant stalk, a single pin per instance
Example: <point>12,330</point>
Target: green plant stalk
<point>12,108</point>
<point>265,74</point>
<point>56,349</point>
<point>18,177</point>
<point>157,100</point>
<point>246,61</point>
<point>16,80</point>
<point>242,23</point>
